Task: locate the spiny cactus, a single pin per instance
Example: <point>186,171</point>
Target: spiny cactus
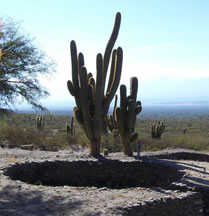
<point>70,128</point>
<point>92,101</point>
<point>40,122</point>
<point>126,116</point>
<point>111,120</point>
<point>157,129</point>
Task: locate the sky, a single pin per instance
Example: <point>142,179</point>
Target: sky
<point>165,43</point>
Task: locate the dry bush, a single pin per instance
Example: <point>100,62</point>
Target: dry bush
<point>15,136</point>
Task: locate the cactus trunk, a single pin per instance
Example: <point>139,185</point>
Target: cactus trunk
<point>95,146</point>
<point>127,146</point>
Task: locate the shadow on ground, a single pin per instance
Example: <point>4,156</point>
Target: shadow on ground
<point>14,201</point>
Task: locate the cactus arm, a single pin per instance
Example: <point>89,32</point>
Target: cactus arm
<point>78,115</point>
<point>138,107</point>
<point>71,88</point>
<point>123,99</point>
<point>85,102</point>
<point>98,97</point>
<point>120,120</point>
<point>133,88</point>
<point>111,43</point>
<point>80,61</point>
<point>74,62</point>
<point>115,105</point>
<point>117,75</point>
<point>113,68</point>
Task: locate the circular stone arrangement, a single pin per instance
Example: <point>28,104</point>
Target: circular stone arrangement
<point>108,173</point>
<point>184,156</point>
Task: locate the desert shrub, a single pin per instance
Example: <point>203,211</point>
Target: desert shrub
<point>16,136</point>
<point>191,141</point>
<point>113,144</point>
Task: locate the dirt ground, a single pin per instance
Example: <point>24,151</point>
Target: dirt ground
<point>21,199</point>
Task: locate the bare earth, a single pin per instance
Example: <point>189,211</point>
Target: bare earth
<point>20,199</point>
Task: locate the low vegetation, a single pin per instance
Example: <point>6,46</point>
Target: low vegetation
<point>19,129</point>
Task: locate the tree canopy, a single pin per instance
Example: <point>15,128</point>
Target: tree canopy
<point>21,64</point>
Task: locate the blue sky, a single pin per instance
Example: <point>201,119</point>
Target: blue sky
<point>165,42</point>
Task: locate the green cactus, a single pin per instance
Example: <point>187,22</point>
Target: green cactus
<point>157,129</point>
<point>40,122</point>
<point>111,120</point>
<point>92,101</point>
<point>70,128</point>
<point>126,116</point>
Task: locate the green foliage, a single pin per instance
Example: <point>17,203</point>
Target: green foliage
<point>126,116</point>
<point>21,63</point>
<point>92,102</point>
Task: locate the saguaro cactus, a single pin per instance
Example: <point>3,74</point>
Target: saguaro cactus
<point>126,116</point>
<point>92,101</point>
<point>40,122</point>
<point>157,129</point>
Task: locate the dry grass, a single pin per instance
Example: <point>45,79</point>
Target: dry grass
<point>20,129</point>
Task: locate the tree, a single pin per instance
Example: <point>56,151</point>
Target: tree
<point>21,64</point>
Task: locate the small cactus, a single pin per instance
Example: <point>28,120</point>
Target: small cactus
<point>184,131</point>
<point>70,128</point>
<point>105,152</point>
<point>157,129</point>
<point>126,116</point>
<point>111,120</point>
<point>40,122</point>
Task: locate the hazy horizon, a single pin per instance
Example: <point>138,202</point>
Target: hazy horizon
<point>165,43</point>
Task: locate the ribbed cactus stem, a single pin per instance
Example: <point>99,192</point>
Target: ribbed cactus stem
<point>40,122</point>
<point>70,130</point>
<point>126,116</point>
<point>157,129</point>
<point>111,119</point>
<point>92,103</point>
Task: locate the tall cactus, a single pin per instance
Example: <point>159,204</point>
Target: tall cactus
<point>126,116</point>
<point>157,129</point>
<point>92,101</point>
<point>40,122</point>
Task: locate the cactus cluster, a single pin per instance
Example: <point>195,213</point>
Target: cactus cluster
<point>157,129</point>
<point>126,116</point>
<point>92,101</point>
<point>40,122</point>
<point>70,130</point>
